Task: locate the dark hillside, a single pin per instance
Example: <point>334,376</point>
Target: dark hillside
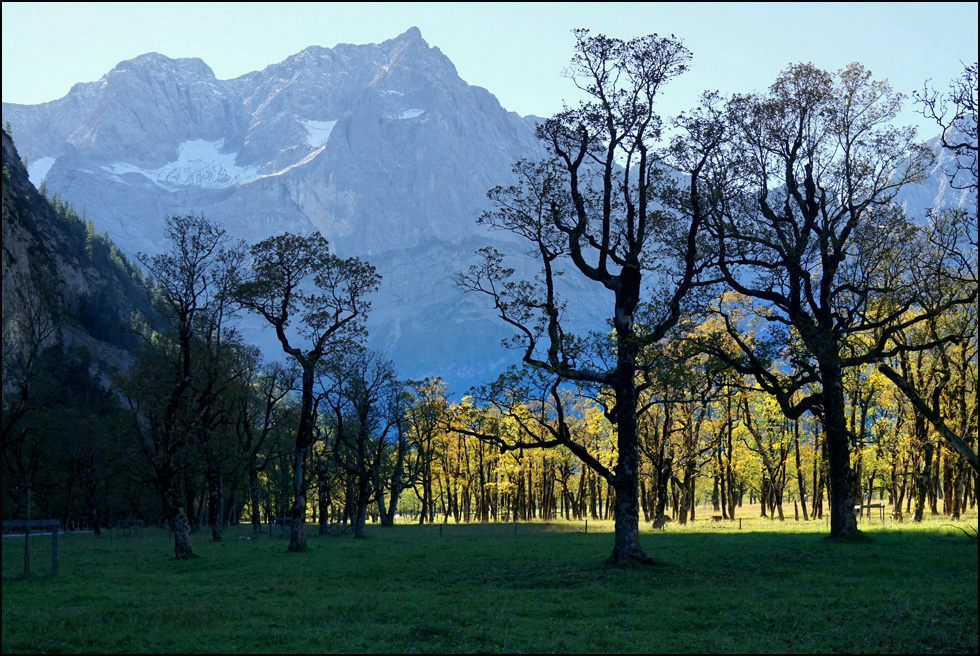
<point>87,282</point>
<point>68,299</point>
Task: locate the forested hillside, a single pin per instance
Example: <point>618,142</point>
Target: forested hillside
<point>68,300</point>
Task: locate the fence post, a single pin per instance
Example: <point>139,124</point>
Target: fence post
<point>54,551</point>
<point>27,536</point>
<point>586,527</point>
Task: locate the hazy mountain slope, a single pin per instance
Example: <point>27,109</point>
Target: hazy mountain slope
<point>55,267</point>
<point>381,147</point>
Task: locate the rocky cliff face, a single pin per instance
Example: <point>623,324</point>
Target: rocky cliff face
<point>380,147</point>
<point>377,146</point>
<point>57,273</point>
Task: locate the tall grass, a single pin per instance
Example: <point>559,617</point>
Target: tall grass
<point>484,589</point>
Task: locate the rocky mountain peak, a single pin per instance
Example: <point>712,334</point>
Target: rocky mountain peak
<point>190,69</point>
<point>412,34</point>
<point>380,147</point>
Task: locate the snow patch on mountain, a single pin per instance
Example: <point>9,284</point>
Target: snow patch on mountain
<point>306,160</point>
<point>409,113</point>
<point>258,155</point>
<point>319,132</point>
<point>39,169</point>
<point>199,164</point>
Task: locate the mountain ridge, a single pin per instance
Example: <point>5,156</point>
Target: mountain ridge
<point>382,148</point>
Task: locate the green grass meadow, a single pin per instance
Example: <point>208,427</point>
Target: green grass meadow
<point>769,587</point>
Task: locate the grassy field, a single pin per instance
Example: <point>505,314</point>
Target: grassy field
<point>770,587</point>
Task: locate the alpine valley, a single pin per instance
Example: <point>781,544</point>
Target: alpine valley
<point>382,148</point>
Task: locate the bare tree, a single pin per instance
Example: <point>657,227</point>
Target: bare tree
<point>174,385</point>
<point>298,284</point>
<point>956,114</point>
<point>426,417</point>
<point>592,208</point>
<point>807,236</point>
<point>365,399</point>
<point>261,404</point>
<point>951,265</point>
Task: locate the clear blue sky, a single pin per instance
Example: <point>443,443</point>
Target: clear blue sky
<point>515,50</point>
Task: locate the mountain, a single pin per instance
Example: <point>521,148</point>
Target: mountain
<point>380,147</point>
<point>935,191</point>
<point>63,284</point>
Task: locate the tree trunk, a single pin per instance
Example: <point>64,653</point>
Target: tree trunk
<point>689,477</point>
<point>644,501</point>
<point>800,481</point>
<point>729,471</point>
<point>216,503</point>
<point>843,523</point>
<point>304,440</point>
<point>253,492</point>
<point>177,518</point>
<point>627,537</point>
<point>819,474</point>
<point>96,522</point>
<point>394,494</point>
<point>360,518</point>
<point>898,489</point>
<point>382,511</point>
<point>323,494</point>
<point>922,480</point>
<point>723,489</point>
<point>297,532</point>
<point>626,477</point>
<point>777,498</point>
<point>959,491</point>
<point>663,473</point>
